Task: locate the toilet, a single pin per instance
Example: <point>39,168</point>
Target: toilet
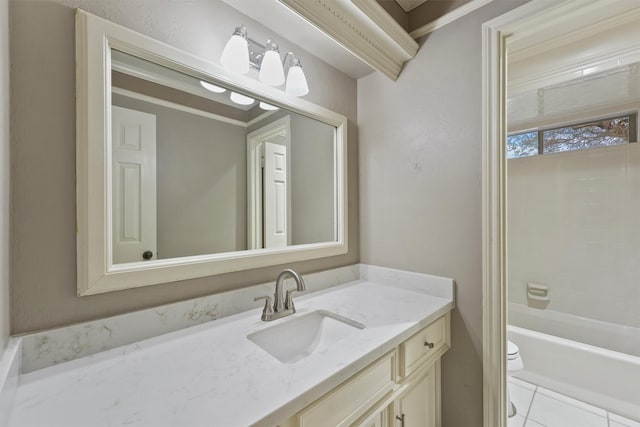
<point>514,364</point>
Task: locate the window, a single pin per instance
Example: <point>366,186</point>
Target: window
<point>596,133</point>
<point>522,144</point>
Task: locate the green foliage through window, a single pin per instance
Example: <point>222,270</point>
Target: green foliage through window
<point>597,133</point>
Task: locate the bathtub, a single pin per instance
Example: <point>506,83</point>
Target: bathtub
<point>615,337</point>
<point>599,376</point>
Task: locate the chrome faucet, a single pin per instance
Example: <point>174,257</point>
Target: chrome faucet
<point>281,306</point>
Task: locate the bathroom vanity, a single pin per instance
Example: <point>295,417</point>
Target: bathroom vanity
<point>362,350</point>
<point>401,388</point>
<point>372,360</point>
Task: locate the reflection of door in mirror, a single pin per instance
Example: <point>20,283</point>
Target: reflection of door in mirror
<point>134,185</point>
<point>275,195</point>
<point>269,196</point>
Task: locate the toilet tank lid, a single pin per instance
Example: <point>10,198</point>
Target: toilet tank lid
<point>512,349</point>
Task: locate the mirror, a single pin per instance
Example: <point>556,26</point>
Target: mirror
<point>185,170</point>
<point>195,172</point>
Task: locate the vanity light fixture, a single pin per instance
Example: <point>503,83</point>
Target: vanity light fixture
<point>296,80</point>
<point>235,56</point>
<point>271,69</point>
<point>241,99</point>
<point>241,52</point>
<point>267,107</point>
<point>211,87</point>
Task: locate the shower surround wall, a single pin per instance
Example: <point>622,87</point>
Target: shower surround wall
<point>43,151</point>
<point>573,225</point>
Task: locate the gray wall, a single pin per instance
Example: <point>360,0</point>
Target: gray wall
<point>43,151</point>
<point>312,183</point>
<point>421,194</point>
<point>201,175</point>
<point>4,175</point>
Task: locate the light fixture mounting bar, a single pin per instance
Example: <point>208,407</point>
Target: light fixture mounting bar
<point>256,53</point>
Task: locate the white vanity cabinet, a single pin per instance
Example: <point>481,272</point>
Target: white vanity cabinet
<point>417,405</point>
<point>400,389</point>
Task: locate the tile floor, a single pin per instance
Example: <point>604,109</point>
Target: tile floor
<point>539,407</point>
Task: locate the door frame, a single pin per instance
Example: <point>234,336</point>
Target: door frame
<point>255,152</point>
<point>532,21</point>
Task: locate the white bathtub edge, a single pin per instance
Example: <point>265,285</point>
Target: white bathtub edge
<point>576,370</point>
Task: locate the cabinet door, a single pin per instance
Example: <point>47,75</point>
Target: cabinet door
<point>378,420</point>
<point>417,406</point>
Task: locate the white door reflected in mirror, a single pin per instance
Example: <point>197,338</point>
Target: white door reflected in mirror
<point>275,195</point>
<point>134,185</point>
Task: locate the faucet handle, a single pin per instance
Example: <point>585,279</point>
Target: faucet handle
<point>268,306</point>
<point>288,303</point>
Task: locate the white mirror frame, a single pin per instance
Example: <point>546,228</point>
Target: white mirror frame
<point>96,273</point>
<point>530,20</point>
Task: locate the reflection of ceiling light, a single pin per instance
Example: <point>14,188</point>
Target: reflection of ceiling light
<point>241,99</point>
<point>268,107</point>
<point>235,57</point>
<point>212,88</point>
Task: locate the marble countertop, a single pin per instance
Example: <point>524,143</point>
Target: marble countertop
<point>212,375</point>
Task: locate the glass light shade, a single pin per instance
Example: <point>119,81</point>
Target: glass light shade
<point>235,56</point>
<point>212,87</point>
<point>268,107</point>
<point>271,71</point>
<point>241,99</point>
<point>296,82</point>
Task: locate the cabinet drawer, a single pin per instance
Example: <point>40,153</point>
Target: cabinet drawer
<point>353,398</point>
<point>425,346</point>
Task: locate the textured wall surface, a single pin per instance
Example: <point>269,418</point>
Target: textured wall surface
<point>43,151</point>
<point>421,193</point>
<point>4,175</point>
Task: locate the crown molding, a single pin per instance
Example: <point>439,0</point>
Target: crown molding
<point>409,5</point>
<point>377,14</point>
<point>362,27</point>
<point>448,18</point>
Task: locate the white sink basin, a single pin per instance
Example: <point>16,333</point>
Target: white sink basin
<point>298,337</point>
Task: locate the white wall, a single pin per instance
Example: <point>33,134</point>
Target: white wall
<point>4,174</point>
<point>421,193</point>
<point>573,221</point>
